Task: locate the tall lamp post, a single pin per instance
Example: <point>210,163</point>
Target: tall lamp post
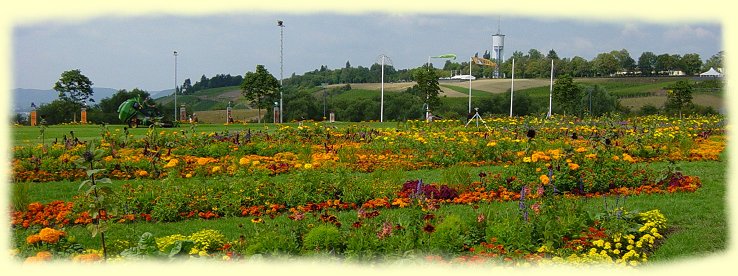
<point>384,59</point>
<point>281,66</point>
<point>175,86</point>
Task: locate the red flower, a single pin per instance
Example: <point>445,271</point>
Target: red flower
<point>429,228</point>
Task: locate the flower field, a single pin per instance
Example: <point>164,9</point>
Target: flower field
<point>516,191</point>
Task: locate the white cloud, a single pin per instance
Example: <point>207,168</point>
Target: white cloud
<point>631,30</point>
<point>685,32</point>
<point>581,43</point>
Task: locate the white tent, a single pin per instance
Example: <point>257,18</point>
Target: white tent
<point>711,73</point>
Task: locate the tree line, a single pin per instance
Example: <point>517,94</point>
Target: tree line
<point>533,64</point>
<point>219,80</point>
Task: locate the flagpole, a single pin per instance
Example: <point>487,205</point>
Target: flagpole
<point>381,109</point>
<point>512,86</point>
<point>427,106</point>
<point>470,73</point>
<point>550,91</point>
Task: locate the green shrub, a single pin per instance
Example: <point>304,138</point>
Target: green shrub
<point>450,236</point>
<point>508,228</point>
<point>20,197</point>
<point>362,244</point>
<point>457,177</point>
<point>323,238</point>
<point>273,244</point>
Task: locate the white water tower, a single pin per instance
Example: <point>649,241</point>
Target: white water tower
<point>498,44</point>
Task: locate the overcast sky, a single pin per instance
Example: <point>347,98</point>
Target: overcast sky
<point>125,52</point>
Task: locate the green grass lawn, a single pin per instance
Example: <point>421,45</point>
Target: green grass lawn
<point>26,135</point>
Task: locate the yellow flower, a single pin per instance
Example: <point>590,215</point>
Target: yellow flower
<point>308,166</point>
<point>202,160</point>
<point>581,149</point>
<point>33,239</point>
<point>526,159</point>
<point>50,235</point>
<point>142,173</point>
<point>573,166</point>
<point>188,175</point>
<point>215,169</point>
<point>172,163</point>
<point>255,162</point>
<point>544,179</point>
<point>243,161</point>
<point>628,158</point>
<point>491,144</point>
<point>615,158</point>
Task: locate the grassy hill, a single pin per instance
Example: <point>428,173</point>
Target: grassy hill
<point>633,93</point>
<point>209,99</point>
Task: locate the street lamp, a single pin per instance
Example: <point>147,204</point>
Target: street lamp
<point>384,59</point>
<point>281,66</point>
<point>175,86</point>
<point>324,85</point>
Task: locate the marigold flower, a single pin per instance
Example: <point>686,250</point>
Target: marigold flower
<point>544,179</point>
<point>628,158</point>
<point>44,255</point>
<point>142,173</point>
<point>50,235</point>
<point>215,169</point>
<point>172,163</point>
<point>308,166</point>
<point>573,166</point>
<point>33,239</point>
<point>87,258</point>
<point>244,161</point>
<point>203,160</point>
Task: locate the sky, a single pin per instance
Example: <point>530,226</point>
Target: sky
<point>136,51</point>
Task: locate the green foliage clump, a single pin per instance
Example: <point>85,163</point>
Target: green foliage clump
<point>450,236</point>
<point>323,238</point>
<point>273,244</point>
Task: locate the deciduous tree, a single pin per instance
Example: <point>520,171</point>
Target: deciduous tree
<point>567,94</point>
<point>259,88</point>
<point>679,95</point>
<point>647,63</point>
<point>427,87</point>
<point>691,64</point>
<point>74,87</point>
